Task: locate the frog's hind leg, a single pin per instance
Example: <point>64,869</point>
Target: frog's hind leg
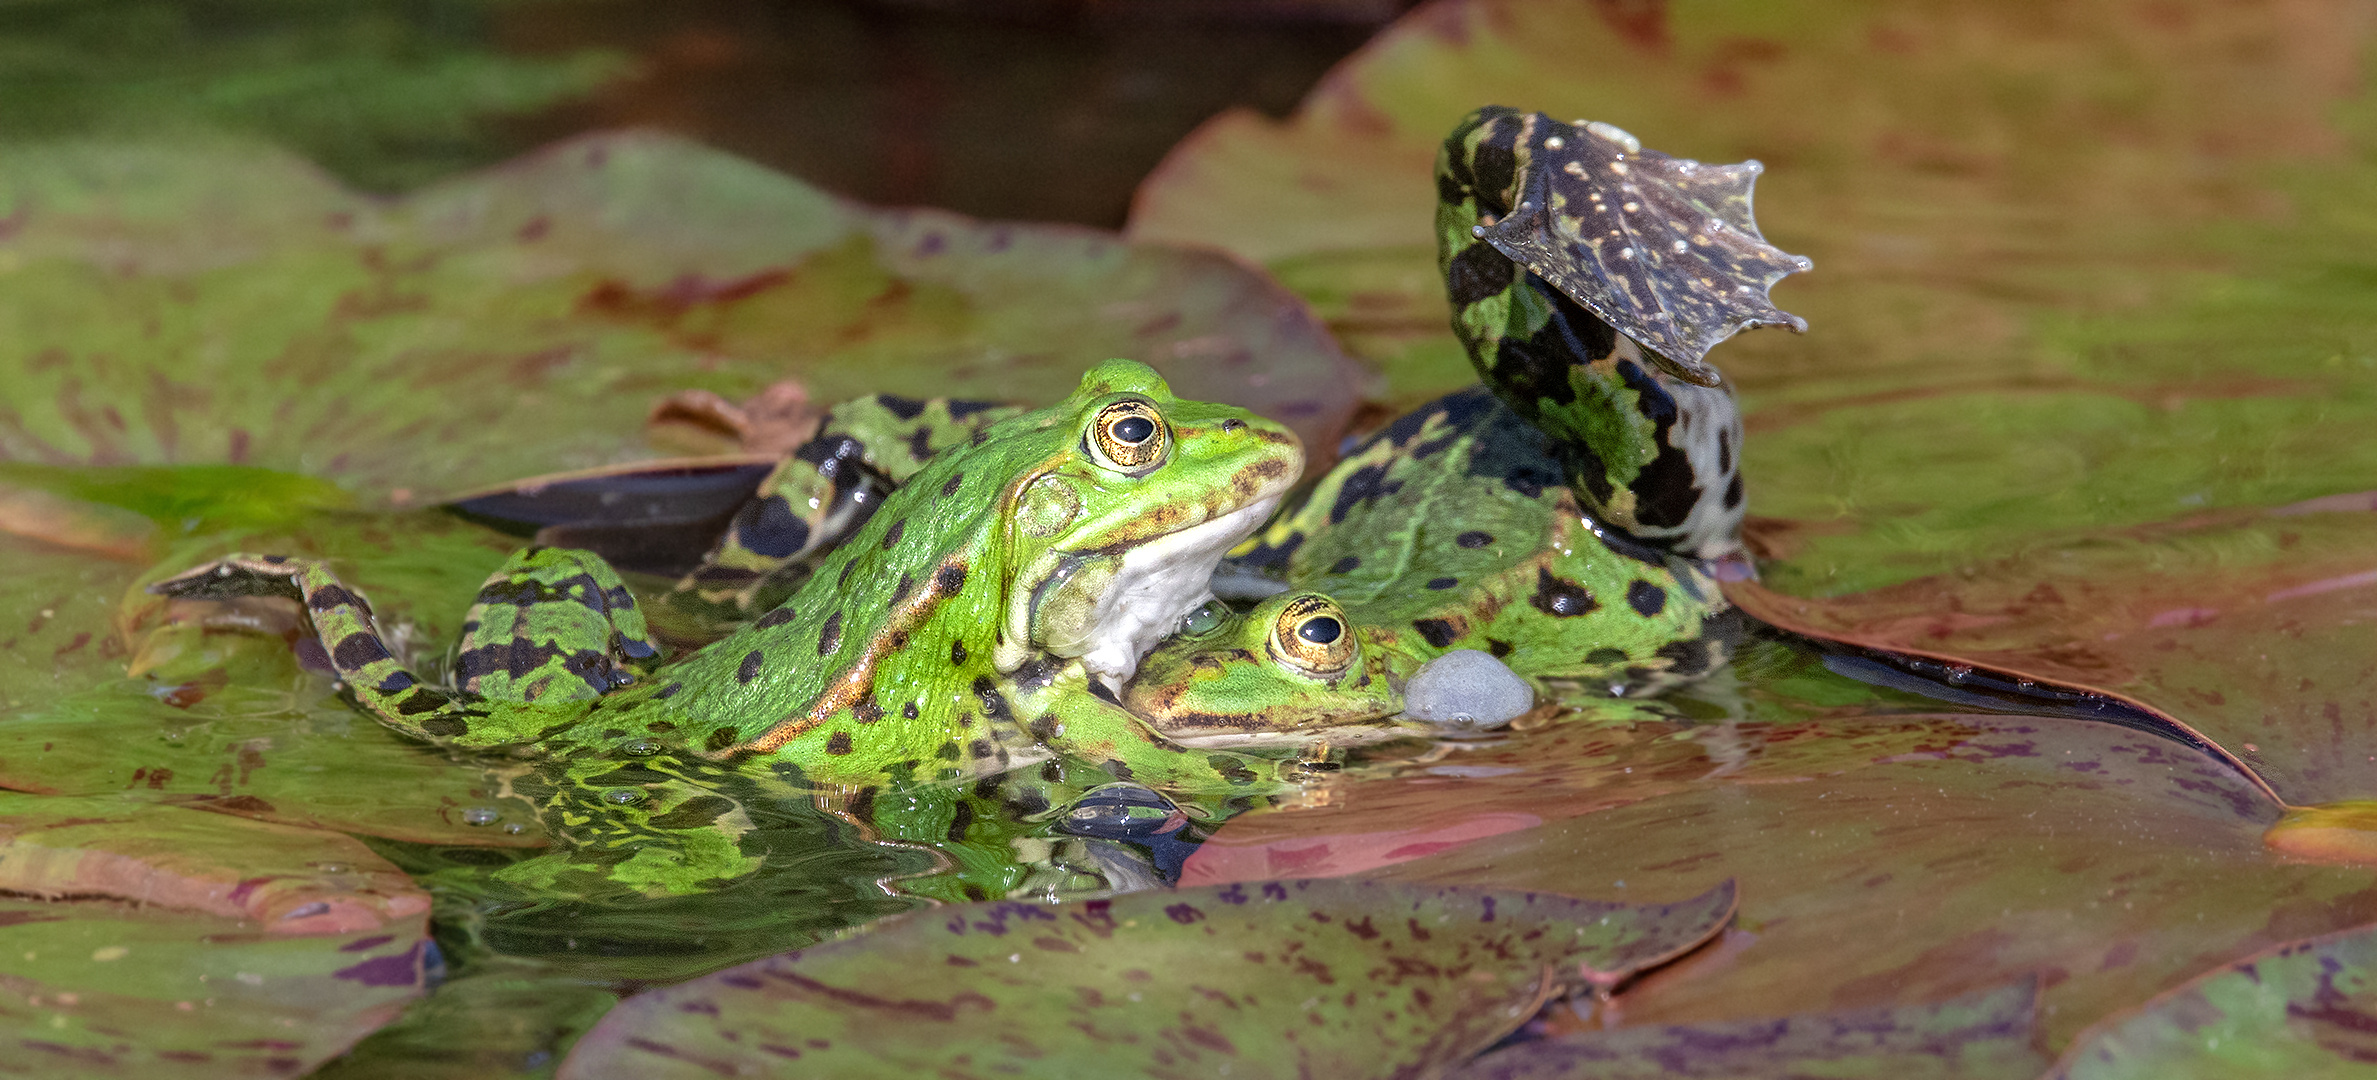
<point>381,684</point>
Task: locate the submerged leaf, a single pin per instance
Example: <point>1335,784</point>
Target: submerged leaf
<point>2308,1008</point>
<point>1290,979</point>
<point>1984,1036</point>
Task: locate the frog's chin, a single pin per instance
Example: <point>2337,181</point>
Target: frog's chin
<point>1157,585</point>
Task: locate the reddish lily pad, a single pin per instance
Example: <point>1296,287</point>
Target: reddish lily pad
<point>2250,629</point>
<point>143,940</point>
<point>2303,1009</point>
<point>229,304</point>
<point>1984,1036</point>
<point>1885,862</point>
<point>1311,979</point>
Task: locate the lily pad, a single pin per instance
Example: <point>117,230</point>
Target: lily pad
<point>2303,1009</point>
<point>2069,270</point>
<point>1885,862</point>
<point>228,304</point>
<point>142,940</point>
<point>2250,629</point>
<point>1313,979</point>
<point>1984,1036</point>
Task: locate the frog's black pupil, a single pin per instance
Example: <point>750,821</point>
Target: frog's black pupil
<point>1133,430</point>
<point>1320,631</point>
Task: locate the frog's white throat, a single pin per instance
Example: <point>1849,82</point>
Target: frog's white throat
<point>1159,583</point>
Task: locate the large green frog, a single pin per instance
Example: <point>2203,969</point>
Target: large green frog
<point>1570,516</point>
<point>975,624</point>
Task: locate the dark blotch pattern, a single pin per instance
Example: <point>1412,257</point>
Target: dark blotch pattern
<point>891,536</point>
<point>838,743</point>
<point>1346,565</point>
<point>775,618</point>
<point>749,669</point>
<point>955,481</point>
<point>957,652</point>
<point>1645,598</point>
<point>1473,539</point>
<point>720,738</point>
<point>829,640</point>
<point>1437,632</point>
<point>1560,597</point>
<point>1442,583</point>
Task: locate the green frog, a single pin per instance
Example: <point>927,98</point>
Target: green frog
<point>979,622</point>
<point>1571,516</point>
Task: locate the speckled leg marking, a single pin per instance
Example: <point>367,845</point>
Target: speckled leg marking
<point>1650,441</point>
<point>821,494</point>
<point>551,626</point>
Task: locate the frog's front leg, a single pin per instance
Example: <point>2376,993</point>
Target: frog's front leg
<point>550,627</point>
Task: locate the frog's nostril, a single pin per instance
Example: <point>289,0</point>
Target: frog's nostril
<point>1233,425</point>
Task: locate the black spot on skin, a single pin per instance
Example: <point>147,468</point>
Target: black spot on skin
<point>1497,647</point>
<point>1667,488</point>
<point>975,894</point>
<point>330,596</point>
<point>1437,632</point>
<point>1047,727</point>
<point>1052,771</point>
<point>903,407</point>
<point>1035,673</point>
<point>769,527</point>
<point>960,408</point>
<point>862,805</point>
<point>1733,493</point>
<point>901,589</point>
<point>396,682</point>
<point>982,749</point>
<point>957,652</point>
<point>866,711</point>
<point>892,535</point>
<point>920,444</point>
<point>668,691</point>
<point>421,700</point>
<point>1346,565</point>
<point>1605,656</point>
<point>1366,483</point>
<point>356,650</point>
<point>1724,451</point>
<point>838,743</point>
<point>1477,272</point>
<point>724,575</point>
<point>444,727</point>
<point>1560,597</point>
<point>829,640</point>
<point>1442,583</point>
<point>948,751</point>
<point>1645,598</point>
<point>950,489</point>
<point>848,568</point>
<point>1474,539</point>
<point>994,704</point>
<point>720,738</point>
<point>776,618</point>
<point>1494,165</point>
<point>950,579</point>
<point>908,711</point>
<point>750,667</point>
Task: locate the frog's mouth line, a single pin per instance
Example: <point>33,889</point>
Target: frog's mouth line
<point>1158,584</point>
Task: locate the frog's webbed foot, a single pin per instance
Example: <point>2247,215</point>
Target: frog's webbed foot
<point>1590,278</point>
<point>342,620</point>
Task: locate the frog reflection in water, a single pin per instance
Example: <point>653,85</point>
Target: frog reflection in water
<point>1568,517</point>
<point>972,626</point>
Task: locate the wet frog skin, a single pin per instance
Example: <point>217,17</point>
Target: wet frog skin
<point>968,628</point>
<point>1565,517</point>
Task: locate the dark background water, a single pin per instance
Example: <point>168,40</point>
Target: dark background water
<point>1033,109</point>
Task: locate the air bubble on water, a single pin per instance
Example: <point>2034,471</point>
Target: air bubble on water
<point>480,815</point>
<point>642,747</point>
<point>623,796</point>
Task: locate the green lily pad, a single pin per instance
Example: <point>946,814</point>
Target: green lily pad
<point>1317,979</point>
<point>2304,1009</point>
<point>2094,270</point>
<point>138,940</point>
<point>1984,1036</point>
<point>228,304</point>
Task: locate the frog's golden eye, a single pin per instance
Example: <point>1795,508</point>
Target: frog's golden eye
<point>1130,435</point>
<point>1312,633</point>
